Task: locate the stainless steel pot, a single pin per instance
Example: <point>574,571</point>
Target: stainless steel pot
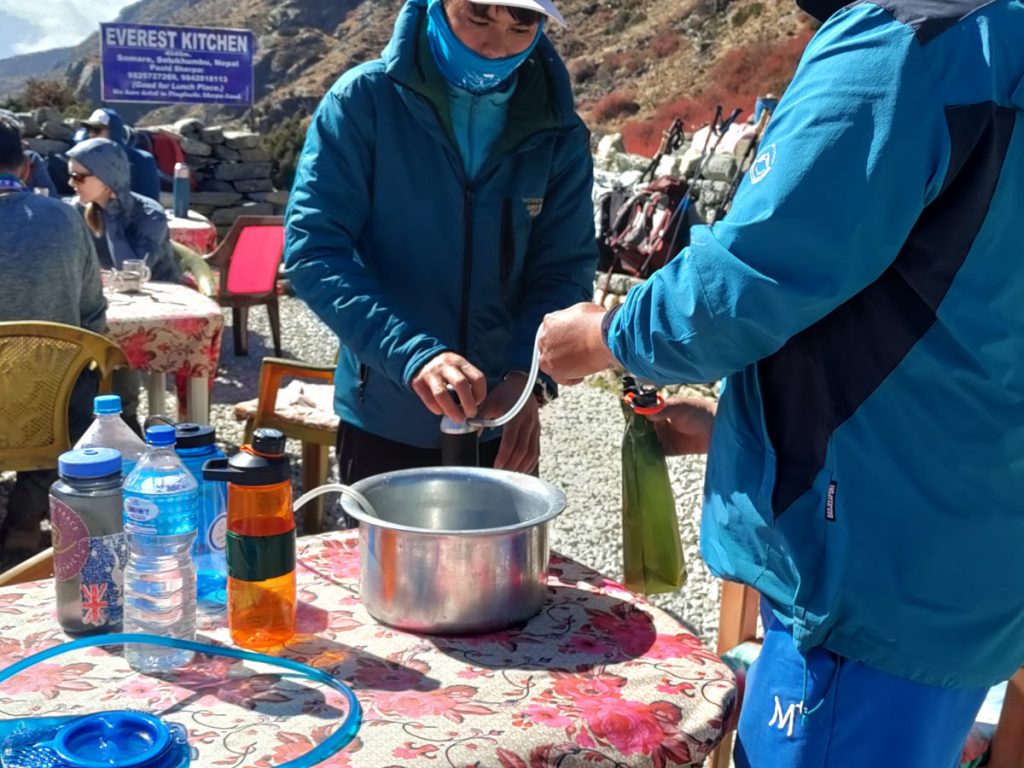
<point>454,550</point>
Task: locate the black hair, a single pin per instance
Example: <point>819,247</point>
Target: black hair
<point>522,16</point>
<point>11,153</point>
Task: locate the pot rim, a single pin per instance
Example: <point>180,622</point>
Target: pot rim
<point>550,494</point>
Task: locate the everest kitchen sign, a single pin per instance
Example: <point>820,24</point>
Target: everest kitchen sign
<point>176,65</point>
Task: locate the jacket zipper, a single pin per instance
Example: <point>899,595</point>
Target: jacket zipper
<point>508,242</point>
<point>364,379</point>
<point>467,269</point>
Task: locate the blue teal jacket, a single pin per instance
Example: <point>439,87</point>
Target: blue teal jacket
<point>403,256</point>
<point>865,297</point>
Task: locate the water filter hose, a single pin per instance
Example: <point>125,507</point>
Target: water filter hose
<point>329,746</point>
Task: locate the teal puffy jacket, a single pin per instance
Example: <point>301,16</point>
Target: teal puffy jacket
<point>404,257</point>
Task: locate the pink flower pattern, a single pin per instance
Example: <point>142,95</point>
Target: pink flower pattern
<point>167,329</point>
<point>599,677</point>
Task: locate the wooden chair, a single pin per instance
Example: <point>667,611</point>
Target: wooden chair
<point>39,365</point>
<point>36,568</point>
<point>302,411</point>
<point>247,260</point>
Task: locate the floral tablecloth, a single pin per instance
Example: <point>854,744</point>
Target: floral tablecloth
<point>166,328</point>
<point>196,232</point>
<point>598,678</point>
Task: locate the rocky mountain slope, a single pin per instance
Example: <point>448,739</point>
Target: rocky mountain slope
<point>631,60</point>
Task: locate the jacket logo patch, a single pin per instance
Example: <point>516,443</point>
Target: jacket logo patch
<point>762,165</point>
<point>534,205</point>
<point>830,502</point>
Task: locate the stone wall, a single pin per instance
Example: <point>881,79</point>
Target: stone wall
<point>232,172</point>
<point>232,169</point>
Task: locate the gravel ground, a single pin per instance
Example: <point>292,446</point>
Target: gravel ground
<point>581,440</point>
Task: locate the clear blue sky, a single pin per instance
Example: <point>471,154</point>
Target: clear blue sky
<point>27,26</point>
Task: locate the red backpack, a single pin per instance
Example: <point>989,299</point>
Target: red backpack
<point>648,229</point>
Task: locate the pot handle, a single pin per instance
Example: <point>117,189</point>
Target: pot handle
<point>344,490</point>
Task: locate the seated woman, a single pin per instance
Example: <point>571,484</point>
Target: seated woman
<point>125,225</point>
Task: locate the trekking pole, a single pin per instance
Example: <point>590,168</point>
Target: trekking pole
<point>679,214</point>
<point>734,182</point>
<point>671,138</point>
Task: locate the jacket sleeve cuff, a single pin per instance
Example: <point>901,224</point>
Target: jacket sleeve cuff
<point>606,323</point>
<point>418,360</point>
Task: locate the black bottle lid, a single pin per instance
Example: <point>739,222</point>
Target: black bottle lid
<point>189,435</point>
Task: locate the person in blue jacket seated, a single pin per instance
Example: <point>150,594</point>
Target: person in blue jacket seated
<point>125,226</point>
<point>106,123</point>
<point>865,300</point>
<point>441,207</point>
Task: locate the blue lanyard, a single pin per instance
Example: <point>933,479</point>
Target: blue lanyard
<point>9,183</point>
<point>329,746</point>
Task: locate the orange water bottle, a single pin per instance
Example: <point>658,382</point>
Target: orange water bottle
<point>260,541</point>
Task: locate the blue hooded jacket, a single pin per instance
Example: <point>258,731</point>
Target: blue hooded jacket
<point>145,176</point>
<point>864,295</point>
<point>403,256</point>
<point>134,227</point>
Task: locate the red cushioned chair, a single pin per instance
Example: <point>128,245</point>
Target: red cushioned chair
<point>248,260</point>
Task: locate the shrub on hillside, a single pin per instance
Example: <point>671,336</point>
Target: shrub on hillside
<point>736,80</point>
<point>39,92</point>
<point>615,104</point>
<point>284,143</point>
<point>665,44</point>
<point>627,62</point>
<point>582,70</point>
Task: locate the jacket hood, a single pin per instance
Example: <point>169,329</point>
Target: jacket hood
<point>821,9</point>
<point>406,63</point>
<point>107,161</point>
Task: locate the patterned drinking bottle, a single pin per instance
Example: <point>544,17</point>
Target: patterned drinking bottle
<point>89,548</point>
<point>260,541</point>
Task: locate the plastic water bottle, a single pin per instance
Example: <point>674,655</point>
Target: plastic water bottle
<point>196,443</point>
<point>89,550</point>
<point>182,189</point>
<point>108,430</point>
<point>261,541</point>
<point>161,502</point>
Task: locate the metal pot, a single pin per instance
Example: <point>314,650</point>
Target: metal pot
<point>454,550</point>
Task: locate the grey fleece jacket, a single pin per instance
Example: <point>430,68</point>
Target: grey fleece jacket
<point>48,267</point>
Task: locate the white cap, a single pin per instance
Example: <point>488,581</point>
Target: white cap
<point>98,118</point>
<point>540,6</point>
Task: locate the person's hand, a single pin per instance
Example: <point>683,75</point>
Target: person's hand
<point>684,425</point>
<point>431,386</point>
<point>520,438</point>
<point>571,346</point>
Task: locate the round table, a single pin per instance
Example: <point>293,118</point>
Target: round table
<point>600,677</point>
<point>196,231</point>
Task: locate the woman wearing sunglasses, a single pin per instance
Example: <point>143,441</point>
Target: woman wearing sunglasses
<point>125,225</point>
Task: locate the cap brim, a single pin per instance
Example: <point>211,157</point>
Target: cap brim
<point>545,9</point>
<point>87,124</point>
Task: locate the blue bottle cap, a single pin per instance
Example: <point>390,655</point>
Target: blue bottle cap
<point>89,462</point>
<point>106,404</point>
<point>118,739</point>
<point>160,435</point>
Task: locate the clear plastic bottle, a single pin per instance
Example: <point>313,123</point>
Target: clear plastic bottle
<point>161,502</point>
<point>108,430</point>
<point>196,443</point>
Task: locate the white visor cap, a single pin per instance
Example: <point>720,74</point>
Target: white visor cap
<point>545,7</point>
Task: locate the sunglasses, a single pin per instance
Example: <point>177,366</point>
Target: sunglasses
<point>79,177</point>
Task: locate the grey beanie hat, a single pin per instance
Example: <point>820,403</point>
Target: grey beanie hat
<point>106,160</point>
